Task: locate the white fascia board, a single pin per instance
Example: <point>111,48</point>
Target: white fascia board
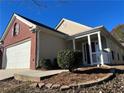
<point>31,25</point>
<point>59,23</point>
<point>7,28</point>
<point>25,21</point>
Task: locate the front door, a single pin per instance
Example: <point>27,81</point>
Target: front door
<point>95,52</point>
<point>86,54</point>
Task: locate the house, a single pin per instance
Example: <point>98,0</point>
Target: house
<point>26,41</point>
<point>98,46</point>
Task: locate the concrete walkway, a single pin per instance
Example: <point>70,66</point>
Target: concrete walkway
<point>40,73</point>
<point>121,67</point>
<point>36,75</point>
<point>9,73</point>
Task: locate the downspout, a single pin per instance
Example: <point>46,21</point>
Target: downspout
<point>4,64</point>
<point>37,49</point>
<point>74,46</point>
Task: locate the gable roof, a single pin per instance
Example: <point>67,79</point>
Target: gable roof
<point>70,27</point>
<point>42,25</point>
<point>32,24</point>
<point>11,20</point>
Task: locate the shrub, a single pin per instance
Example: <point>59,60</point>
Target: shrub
<point>55,64</point>
<point>45,63</point>
<point>69,59</point>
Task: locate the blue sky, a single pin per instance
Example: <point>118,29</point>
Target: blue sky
<point>93,13</point>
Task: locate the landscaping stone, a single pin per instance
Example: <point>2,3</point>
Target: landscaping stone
<point>73,85</point>
<point>34,85</point>
<point>80,85</point>
<point>48,85</point>
<point>64,87</point>
<point>41,85</point>
<point>55,86</point>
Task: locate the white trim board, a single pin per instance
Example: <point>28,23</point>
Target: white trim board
<point>21,19</point>
<point>64,19</point>
<point>18,43</point>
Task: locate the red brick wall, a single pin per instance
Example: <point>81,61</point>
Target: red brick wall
<point>24,34</point>
<point>1,55</point>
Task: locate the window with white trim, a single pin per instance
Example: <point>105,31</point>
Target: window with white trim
<point>16,29</point>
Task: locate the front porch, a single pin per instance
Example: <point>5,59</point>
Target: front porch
<point>94,48</point>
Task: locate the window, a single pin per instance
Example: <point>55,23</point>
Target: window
<point>112,55</point>
<point>16,29</point>
<point>118,56</point>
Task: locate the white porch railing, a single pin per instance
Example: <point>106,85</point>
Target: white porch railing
<point>106,57</point>
<point>96,57</point>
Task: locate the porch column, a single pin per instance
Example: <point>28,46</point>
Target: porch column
<point>100,48</point>
<point>74,47</point>
<point>90,49</point>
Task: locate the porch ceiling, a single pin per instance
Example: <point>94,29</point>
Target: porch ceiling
<point>94,30</point>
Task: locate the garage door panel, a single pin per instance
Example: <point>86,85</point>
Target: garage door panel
<point>18,56</point>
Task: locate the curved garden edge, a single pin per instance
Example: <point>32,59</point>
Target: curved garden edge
<point>100,80</point>
<point>78,85</point>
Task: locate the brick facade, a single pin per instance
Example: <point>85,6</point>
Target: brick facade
<point>24,34</point>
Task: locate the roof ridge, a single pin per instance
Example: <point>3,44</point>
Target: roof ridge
<point>38,23</point>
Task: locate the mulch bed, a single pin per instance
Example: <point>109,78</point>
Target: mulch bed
<point>79,76</point>
<point>9,84</point>
<point>115,85</point>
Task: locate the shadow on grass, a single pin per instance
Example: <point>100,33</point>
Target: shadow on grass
<point>100,70</point>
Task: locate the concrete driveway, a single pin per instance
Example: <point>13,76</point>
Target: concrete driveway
<point>9,73</point>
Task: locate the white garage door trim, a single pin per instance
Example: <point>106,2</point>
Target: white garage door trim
<point>18,56</point>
